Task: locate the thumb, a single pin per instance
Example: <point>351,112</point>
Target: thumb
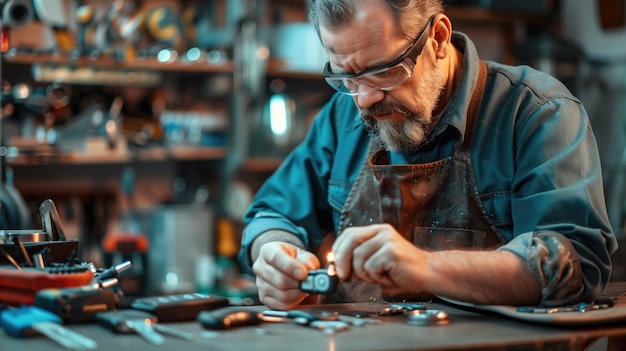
<point>308,259</point>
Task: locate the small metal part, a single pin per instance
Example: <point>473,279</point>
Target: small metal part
<point>580,308</point>
<point>39,261</point>
<point>10,258</point>
<point>427,317</point>
<point>114,271</point>
<point>145,329</point>
<point>330,327</point>
<point>299,316</point>
<point>409,306</point>
<point>173,332</point>
<point>65,337</point>
<point>358,321</point>
<point>391,310</point>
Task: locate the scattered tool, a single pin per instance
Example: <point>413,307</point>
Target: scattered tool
<point>228,318</point>
<point>140,322</point>
<point>358,321</point>
<point>394,309</point>
<point>113,272</point>
<point>79,305</point>
<point>303,317</point>
<point>30,320</point>
<point>427,317</point>
<point>326,321</point>
<point>179,307</point>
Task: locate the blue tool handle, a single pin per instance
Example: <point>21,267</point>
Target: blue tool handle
<point>19,321</point>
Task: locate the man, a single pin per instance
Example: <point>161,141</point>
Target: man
<point>438,173</point>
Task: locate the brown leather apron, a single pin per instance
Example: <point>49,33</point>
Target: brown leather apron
<point>435,205</point>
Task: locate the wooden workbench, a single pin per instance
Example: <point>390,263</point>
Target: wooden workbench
<point>466,330</point>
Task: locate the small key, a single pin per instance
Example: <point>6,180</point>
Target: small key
<point>131,321</point>
<point>358,322</point>
<point>32,320</point>
<point>330,327</point>
<point>143,327</point>
<point>173,332</point>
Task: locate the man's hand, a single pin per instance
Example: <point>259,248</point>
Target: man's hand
<point>279,268</point>
<point>378,254</point>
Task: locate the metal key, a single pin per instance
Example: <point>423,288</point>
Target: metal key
<point>29,320</point>
<point>173,332</point>
<point>131,321</point>
<point>144,328</point>
<point>65,337</point>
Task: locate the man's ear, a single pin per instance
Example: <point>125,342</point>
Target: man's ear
<point>442,32</point>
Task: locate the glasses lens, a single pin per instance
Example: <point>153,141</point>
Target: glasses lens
<point>389,78</point>
<point>383,79</point>
<point>339,85</point>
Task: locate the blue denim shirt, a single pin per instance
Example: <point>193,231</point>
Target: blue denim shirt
<point>534,155</point>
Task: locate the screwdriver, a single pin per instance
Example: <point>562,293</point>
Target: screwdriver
<point>30,320</point>
<point>114,272</point>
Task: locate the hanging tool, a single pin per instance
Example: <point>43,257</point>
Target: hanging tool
<point>51,221</point>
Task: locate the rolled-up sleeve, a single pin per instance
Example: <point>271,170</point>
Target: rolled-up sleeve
<point>294,198</point>
<point>558,204</point>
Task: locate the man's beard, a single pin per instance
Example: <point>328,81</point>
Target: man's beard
<point>408,134</point>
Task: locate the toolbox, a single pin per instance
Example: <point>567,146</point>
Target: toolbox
<point>33,260</point>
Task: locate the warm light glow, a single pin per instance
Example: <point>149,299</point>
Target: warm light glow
<point>330,257</point>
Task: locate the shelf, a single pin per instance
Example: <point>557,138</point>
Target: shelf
<point>261,164</point>
<point>152,154</point>
<point>482,15</point>
<point>134,64</point>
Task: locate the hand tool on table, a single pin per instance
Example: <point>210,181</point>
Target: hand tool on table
<point>303,317</point>
<point>394,309</point>
<point>228,318</point>
<point>232,317</point>
<point>80,304</point>
<point>140,322</point>
<point>326,321</point>
<point>179,307</point>
<point>30,320</point>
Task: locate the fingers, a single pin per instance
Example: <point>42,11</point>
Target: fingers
<point>368,253</point>
<point>277,298</point>
<point>344,247</point>
<point>279,268</point>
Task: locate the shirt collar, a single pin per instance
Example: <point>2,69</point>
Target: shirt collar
<point>455,113</point>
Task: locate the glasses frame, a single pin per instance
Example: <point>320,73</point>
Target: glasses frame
<point>412,53</point>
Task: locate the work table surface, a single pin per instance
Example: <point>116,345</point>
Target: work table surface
<point>466,330</point>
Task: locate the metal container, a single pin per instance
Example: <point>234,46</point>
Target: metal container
<point>25,236</point>
<point>180,236</point>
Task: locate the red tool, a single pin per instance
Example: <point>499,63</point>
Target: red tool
<point>18,287</point>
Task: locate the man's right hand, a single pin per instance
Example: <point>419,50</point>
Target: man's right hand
<point>279,269</point>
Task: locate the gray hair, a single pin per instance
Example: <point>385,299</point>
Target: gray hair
<point>411,15</point>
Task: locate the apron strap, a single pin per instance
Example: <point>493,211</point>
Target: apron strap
<point>473,110</point>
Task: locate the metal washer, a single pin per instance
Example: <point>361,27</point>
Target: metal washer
<point>427,317</point>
